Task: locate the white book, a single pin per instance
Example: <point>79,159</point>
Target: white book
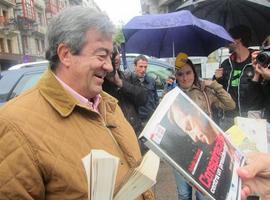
<point>140,179</point>
<point>101,170</point>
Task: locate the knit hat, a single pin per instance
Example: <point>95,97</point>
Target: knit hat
<point>180,60</point>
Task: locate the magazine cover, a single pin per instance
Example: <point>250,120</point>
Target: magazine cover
<point>184,136</point>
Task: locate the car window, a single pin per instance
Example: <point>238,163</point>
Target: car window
<point>26,82</point>
<point>159,73</point>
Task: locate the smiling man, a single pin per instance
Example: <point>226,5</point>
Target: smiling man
<point>45,132</point>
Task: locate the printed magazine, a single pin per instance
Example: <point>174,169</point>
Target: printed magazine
<point>184,136</point>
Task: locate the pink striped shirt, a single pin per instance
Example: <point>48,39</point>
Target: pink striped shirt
<point>92,104</point>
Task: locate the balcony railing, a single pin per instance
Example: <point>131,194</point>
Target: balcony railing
<point>9,2</point>
<point>39,29</point>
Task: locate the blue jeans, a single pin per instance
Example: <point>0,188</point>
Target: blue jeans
<point>184,190</point>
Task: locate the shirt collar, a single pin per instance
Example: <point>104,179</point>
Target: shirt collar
<point>92,104</point>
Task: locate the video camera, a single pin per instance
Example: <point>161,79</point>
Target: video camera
<point>263,58</point>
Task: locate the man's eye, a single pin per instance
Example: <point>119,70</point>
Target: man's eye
<point>102,56</point>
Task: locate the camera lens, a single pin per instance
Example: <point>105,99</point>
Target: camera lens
<point>263,58</point>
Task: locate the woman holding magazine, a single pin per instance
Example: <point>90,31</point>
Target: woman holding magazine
<point>207,94</point>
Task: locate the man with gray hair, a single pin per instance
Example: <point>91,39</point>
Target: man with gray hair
<point>45,132</point>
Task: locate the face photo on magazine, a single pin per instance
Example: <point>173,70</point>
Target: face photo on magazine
<point>199,149</point>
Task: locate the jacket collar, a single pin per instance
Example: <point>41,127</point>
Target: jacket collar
<point>63,102</point>
<point>191,88</point>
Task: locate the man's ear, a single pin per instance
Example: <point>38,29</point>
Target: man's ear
<point>64,54</point>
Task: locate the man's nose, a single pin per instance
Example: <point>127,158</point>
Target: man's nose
<point>107,66</point>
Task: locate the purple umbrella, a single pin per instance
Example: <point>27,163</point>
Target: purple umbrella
<point>165,35</point>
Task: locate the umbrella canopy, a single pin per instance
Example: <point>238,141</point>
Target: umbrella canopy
<point>228,13</point>
<point>165,35</point>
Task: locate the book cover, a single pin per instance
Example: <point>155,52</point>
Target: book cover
<point>241,141</point>
<point>184,136</point>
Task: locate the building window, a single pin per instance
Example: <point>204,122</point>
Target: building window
<point>42,45</point>
<point>2,47</point>
<point>51,6</point>
<point>9,45</point>
<point>40,18</point>
<point>25,43</point>
<point>5,15</point>
<point>61,5</point>
<point>28,8</point>
<point>37,45</point>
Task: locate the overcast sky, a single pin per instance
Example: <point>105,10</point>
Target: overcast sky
<point>120,11</point>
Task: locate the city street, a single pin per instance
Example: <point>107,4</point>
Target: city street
<point>165,187</point>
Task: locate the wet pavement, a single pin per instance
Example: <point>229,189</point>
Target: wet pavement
<point>165,188</point>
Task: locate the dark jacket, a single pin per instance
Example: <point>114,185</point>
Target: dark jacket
<point>235,81</point>
<point>146,110</point>
<point>259,97</point>
<point>130,96</point>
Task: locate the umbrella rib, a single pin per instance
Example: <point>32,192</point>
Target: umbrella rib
<point>162,39</point>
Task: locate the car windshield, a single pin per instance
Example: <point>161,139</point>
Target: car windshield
<point>26,82</point>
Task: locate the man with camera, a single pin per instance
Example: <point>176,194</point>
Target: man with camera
<point>259,87</point>
<point>130,95</point>
<point>235,73</point>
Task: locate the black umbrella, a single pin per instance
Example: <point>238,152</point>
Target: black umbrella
<point>228,13</point>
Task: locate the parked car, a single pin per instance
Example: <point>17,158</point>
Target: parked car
<point>30,64</point>
<point>14,82</point>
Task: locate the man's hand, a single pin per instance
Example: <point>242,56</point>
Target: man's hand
<point>115,79</point>
<point>170,80</point>
<point>256,175</point>
<point>219,73</point>
<point>259,69</point>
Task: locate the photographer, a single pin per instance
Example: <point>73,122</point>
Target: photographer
<point>259,87</point>
<point>130,95</point>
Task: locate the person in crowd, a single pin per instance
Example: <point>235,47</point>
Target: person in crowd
<point>206,94</point>
<point>255,175</point>
<point>259,87</point>
<point>130,95</point>
<point>45,132</point>
<point>140,77</point>
<point>235,72</point>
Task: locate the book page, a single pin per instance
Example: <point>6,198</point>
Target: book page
<point>101,170</point>
<point>141,179</point>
